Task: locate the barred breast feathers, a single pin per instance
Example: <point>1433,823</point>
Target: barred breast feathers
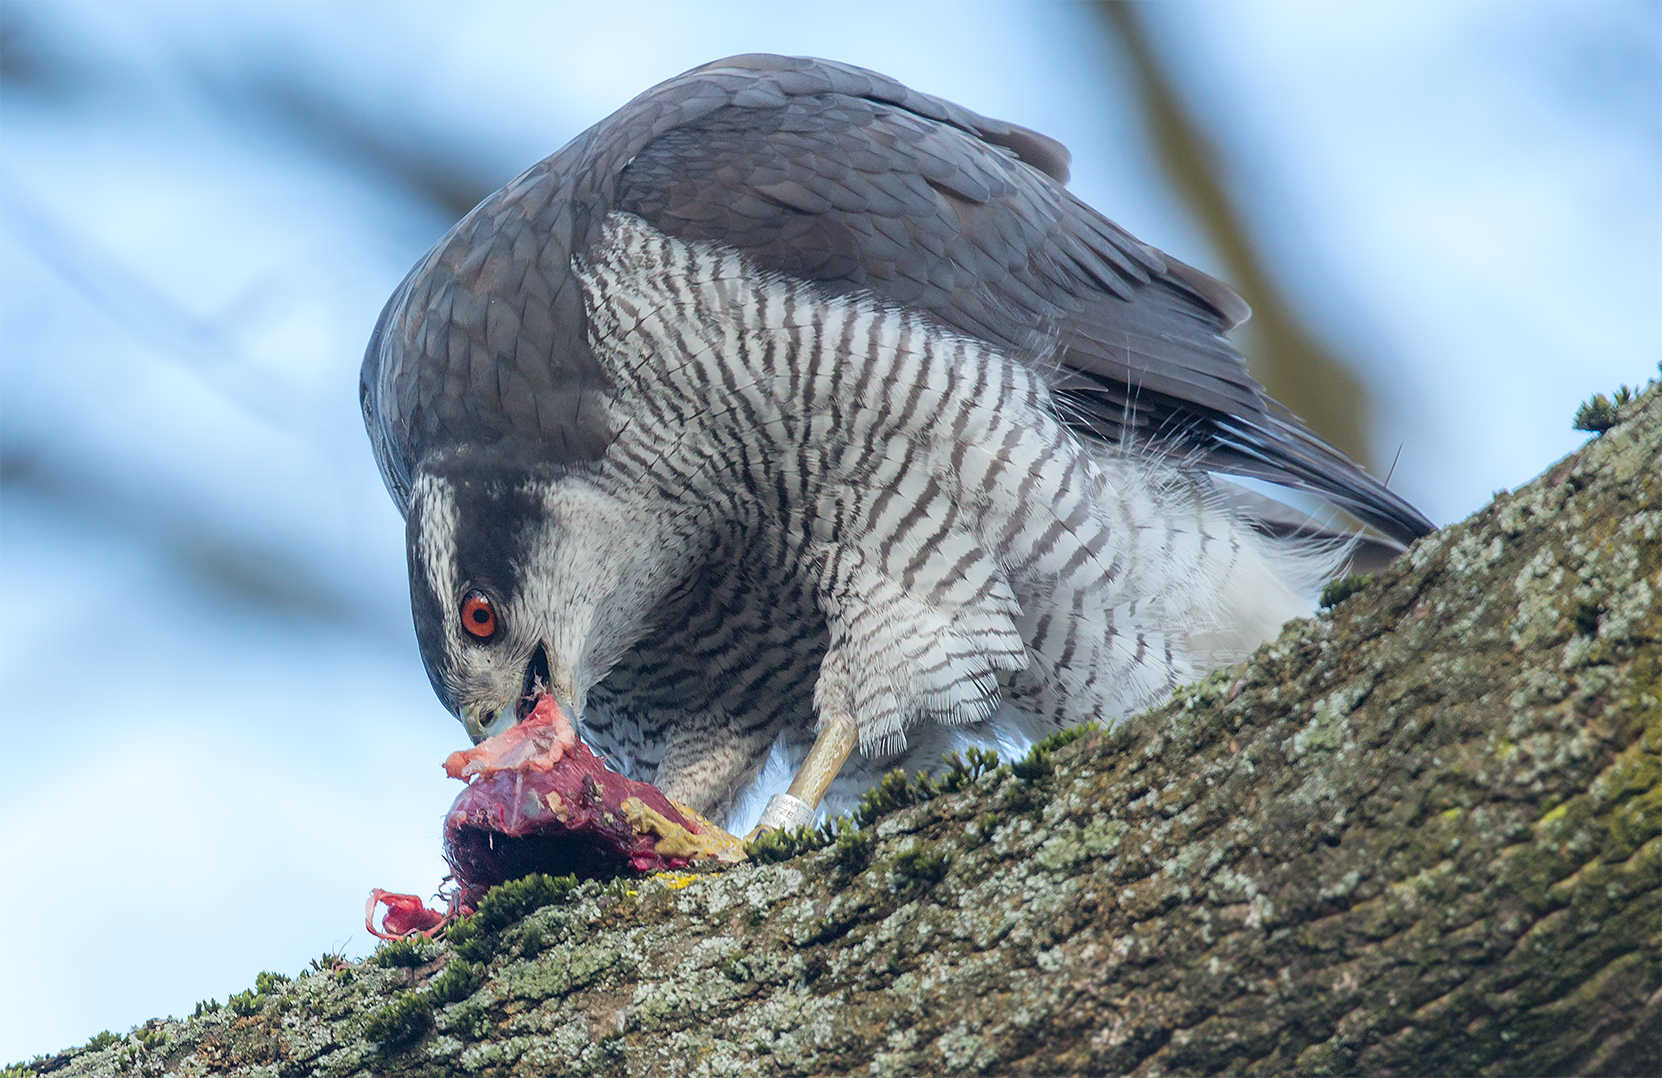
<point>966,547</point>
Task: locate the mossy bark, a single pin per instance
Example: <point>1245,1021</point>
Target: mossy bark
<point>1421,833</point>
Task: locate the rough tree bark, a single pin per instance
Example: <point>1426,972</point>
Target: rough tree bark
<point>1421,833</point>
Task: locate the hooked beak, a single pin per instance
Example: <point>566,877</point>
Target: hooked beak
<point>483,721</point>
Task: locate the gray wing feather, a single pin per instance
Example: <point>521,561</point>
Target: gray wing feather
<point>838,175</point>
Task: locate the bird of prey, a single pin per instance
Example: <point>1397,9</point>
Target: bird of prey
<point>788,407</point>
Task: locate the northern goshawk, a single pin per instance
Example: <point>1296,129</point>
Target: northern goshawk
<point>787,405</point>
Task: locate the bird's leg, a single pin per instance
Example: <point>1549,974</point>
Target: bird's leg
<point>796,807</point>
<point>708,761</point>
<point>895,658</point>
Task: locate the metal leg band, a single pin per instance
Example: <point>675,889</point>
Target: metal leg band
<point>784,813</point>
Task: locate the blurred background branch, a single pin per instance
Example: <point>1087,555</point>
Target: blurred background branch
<point>436,167</point>
<point>1296,368</point>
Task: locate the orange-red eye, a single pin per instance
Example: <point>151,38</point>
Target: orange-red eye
<point>478,615</point>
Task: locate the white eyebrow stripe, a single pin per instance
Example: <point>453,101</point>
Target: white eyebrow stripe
<point>436,541</point>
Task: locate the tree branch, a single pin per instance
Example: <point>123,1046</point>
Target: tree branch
<point>1419,834</point>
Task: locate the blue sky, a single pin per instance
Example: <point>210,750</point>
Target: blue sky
<point>218,729</point>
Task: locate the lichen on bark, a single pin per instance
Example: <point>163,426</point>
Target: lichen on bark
<point>1420,833</point>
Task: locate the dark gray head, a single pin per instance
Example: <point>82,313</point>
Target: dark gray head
<point>525,579</point>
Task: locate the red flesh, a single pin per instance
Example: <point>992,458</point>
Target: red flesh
<point>537,800</point>
<point>405,914</point>
<point>536,744</point>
